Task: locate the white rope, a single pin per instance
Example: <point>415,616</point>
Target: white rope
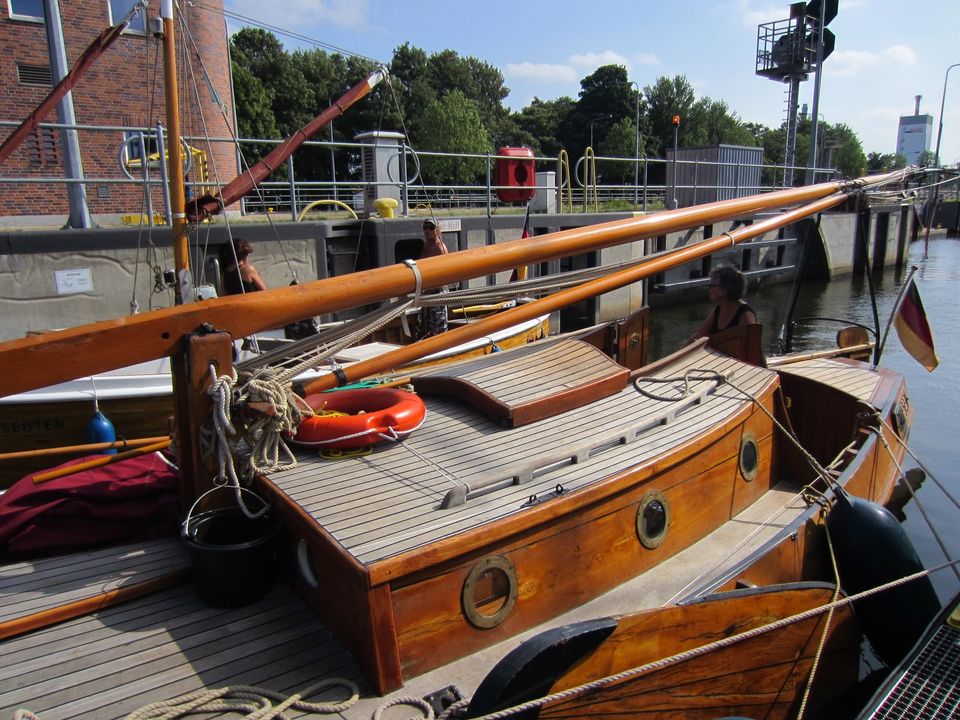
<point>913,494</point>
<point>414,702</point>
<point>391,434</point>
<point>254,701</point>
<point>284,414</point>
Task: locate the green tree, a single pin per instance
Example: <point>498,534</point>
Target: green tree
<point>883,162</point>
<point>841,147</point>
<point>255,113</point>
<point>666,98</point>
<point>620,141</point>
<point>452,124</point>
<point>541,120</point>
<point>606,97</point>
<point>712,123</point>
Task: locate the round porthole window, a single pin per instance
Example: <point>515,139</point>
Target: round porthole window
<point>653,519</point>
<point>489,592</point>
<point>749,458</point>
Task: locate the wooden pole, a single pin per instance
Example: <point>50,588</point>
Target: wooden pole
<point>181,258</point>
<point>85,606</point>
<point>79,449</point>
<point>99,462</point>
<point>37,361</point>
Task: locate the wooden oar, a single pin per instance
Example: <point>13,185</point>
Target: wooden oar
<point>79,449</point>
<point>485,326</point>
<point>85,606</point>
<point>99,462</point>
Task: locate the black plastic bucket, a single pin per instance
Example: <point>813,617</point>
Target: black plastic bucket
<point>233,555</point>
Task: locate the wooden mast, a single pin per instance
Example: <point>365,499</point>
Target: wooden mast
<point>181,257</point>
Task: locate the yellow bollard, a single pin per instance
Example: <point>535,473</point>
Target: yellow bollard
<point>385,207</point>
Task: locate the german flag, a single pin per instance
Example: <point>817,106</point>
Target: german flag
<point>913,329</point>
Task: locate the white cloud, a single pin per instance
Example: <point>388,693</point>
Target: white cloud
<point>646,59</point>
<point>595,60</point>
<point>305,15</point>
<point>901,54</point>
<point>541,72</point>
<point>753,16</point>
<point>572,71</point>
<point>848,63</point>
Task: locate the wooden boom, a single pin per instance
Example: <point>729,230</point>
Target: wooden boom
<point>41,360</point>
<point>527,311</point>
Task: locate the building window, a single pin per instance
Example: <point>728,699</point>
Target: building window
<point>37,75</point>
<point>29,10</point>
<point>119,10</point>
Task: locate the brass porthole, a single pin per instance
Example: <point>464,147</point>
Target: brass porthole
<point>489,592</point>
<point>749,457</point>
<point>653,519</point>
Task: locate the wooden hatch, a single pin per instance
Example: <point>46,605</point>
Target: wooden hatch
<point>510,389</point>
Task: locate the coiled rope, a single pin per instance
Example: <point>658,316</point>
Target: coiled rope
<point>262,440</point>
<point>254,701</point>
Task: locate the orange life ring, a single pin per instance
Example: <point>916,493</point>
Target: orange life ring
<point>383,413</point>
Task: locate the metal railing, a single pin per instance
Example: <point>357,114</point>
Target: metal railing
<point>407,175</point>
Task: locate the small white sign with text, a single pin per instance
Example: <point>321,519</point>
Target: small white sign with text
<point>74,281</point>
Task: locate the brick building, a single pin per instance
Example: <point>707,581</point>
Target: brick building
<point>123,89</point>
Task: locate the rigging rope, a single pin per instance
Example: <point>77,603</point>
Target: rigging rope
<point>672,660</point>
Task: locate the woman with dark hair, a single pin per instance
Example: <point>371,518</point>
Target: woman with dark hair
<point>726,288</point>
<point>239,274</point>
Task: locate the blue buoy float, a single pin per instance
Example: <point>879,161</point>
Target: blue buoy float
<point>101,430</point>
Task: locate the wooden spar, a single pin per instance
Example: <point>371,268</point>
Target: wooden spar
<point>181,257</point>
<point>80,449</point>
<point>100,461</point>
<point>38,361</point>
<point>208,205</point>
<point>527,311</point>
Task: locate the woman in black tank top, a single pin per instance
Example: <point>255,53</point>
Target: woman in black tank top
<point>239,275</point>
<point>726,288</point>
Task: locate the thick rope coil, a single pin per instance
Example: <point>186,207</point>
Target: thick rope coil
<point>414,702</point>
<point>254,701</point>
<point>284,412</point>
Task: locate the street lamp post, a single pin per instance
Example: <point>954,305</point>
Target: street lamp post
<point>636,155</point>
<point>596,120</point>
<point>943,99</point>
<point>932,207</point>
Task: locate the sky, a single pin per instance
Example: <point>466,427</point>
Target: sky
<point>887,51</point>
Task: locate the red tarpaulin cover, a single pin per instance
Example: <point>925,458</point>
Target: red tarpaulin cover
<point>130,500</point>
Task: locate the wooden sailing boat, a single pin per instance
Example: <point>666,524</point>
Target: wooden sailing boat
<point>540,480</point>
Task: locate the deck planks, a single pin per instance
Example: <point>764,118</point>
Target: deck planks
<point>858,381</point>
<point>388,502</point>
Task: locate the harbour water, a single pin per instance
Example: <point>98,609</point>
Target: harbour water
<point>935,396</point>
